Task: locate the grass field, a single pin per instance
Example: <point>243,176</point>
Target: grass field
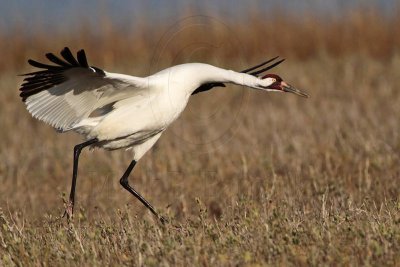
<point>246,178</point>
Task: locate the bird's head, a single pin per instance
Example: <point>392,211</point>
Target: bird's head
<point>276,83</point>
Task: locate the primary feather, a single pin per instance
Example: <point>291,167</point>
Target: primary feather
<point>65,94</point>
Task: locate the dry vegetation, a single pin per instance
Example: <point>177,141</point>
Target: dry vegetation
<point>246,178</point>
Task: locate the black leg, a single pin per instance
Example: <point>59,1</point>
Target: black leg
<point>125,183</point>
<point>69,210</point>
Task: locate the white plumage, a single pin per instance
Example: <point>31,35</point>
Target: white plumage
<point>123,111</point>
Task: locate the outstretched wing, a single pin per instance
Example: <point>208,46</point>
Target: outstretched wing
<point>64,94</point>
<point>255,71</point>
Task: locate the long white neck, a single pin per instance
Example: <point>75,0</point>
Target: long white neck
<point>209,74</point>
<point>188,77</point>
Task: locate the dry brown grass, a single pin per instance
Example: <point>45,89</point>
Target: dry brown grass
<point>250,178</point>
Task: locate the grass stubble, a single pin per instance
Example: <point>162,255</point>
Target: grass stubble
<point>246,178</point>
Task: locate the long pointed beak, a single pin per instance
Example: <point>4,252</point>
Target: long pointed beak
<point>291,89</point>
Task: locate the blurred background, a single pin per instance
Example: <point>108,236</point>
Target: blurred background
<point>231,143</point>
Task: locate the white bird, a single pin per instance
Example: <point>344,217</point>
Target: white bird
<point>114,111</point>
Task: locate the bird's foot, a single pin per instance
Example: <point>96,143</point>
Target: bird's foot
<point>69,209</point>
<point>163,220</point>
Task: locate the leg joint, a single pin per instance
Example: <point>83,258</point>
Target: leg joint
<point>123,181</point>
<point>78,148</point>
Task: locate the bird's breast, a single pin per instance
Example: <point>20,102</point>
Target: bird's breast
<point>149,113</point>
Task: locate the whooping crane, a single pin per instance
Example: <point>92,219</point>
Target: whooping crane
<point>116,111</point>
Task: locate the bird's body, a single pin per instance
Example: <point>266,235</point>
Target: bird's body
<point>114,111</point>
<point>125,111</point>
<point>139,120</point>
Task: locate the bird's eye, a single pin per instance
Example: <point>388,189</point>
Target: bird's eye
<point>273,80</point>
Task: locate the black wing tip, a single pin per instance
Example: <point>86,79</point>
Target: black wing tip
<point>53,58</point>
<point>208,86</point>
<point>81,55</point>
<point>259,65</point>
<point>61,65</point>
<point>52,75</point>
<point>66,50</point>
<point>253,70</point>
<point>268,67</point>
<point>67,55</point>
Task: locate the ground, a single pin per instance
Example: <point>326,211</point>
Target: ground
<point>245,177</point>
